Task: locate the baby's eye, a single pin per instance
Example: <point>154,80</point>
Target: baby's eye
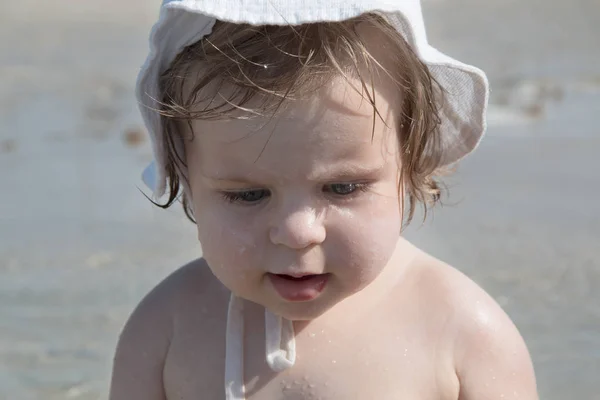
<point>246,196</point>
<point>344,189</point>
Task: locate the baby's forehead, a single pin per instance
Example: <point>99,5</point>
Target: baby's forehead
<point>333,129</point>
<point>345,97</point>
<point>339,108</point>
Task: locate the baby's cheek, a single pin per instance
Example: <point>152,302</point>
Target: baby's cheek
<point>228,247</point>
<point>368,237</point>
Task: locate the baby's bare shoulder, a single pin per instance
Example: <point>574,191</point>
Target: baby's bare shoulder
<point>188,288</point>
<point>442,285</point>
<point>469,310</point>
<point>490,356</point>
<point>150,331</point>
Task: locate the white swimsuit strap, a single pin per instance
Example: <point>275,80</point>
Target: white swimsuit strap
<point>280,342</point>
<point>280,345</point>
<point>234,350</point>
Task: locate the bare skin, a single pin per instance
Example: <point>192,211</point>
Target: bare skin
<point>315,191</point>
<point>437,335</point>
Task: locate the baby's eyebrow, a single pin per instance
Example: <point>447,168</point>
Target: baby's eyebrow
<point>341,171</point>
<point>346,171</point>
<point>229,179</point>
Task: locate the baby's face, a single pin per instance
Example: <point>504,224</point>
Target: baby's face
<point>301,211</point>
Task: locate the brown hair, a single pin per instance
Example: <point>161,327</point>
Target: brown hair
<point>281,63</point>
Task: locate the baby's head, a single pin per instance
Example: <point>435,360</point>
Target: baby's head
<point>260,73</point>
<point>295,148</point>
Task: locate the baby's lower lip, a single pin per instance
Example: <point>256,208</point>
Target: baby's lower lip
<point>297,289</point>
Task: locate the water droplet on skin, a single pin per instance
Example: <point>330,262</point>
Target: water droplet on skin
<point>333,361</point>
<point>493,378</point>
<point>329,341</point>
<point>312,334</point>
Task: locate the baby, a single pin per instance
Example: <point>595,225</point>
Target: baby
<point>300,137</point>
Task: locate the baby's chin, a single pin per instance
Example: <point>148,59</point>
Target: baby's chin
<point>295,313</point>
<point>303,311</point>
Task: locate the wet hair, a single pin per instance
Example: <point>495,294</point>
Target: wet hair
<point>272,66</point>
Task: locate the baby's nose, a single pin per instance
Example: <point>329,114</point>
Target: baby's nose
<point>299,229</point>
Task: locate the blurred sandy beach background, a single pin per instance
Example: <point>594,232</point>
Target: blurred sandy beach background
<point>80,245</point>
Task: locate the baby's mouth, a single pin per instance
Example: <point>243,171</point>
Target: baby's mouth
<point>298,287</point>
<point>297,278</point>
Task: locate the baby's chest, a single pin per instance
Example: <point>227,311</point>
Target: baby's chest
<point>342,366</point>
<point>336,366</point>
<point>336,379</point>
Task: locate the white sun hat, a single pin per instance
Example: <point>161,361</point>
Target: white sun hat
<point>184,22</point>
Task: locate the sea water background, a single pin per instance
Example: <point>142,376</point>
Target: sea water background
<point>79,244</point>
